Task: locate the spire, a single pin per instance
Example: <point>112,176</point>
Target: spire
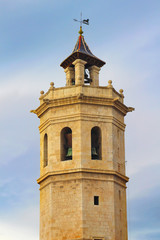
<point>82,51</point>
<point>81,45</point>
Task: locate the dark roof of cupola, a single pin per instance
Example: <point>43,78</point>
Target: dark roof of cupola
<point>82,51</point>
<point>81,46</point>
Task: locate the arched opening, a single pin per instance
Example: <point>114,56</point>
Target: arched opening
<point>66,144</point>
<point>45,150</point>
<point>87,78</point>
<point>96,143</point>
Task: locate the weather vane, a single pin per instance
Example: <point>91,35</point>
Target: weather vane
<point>84,21</point>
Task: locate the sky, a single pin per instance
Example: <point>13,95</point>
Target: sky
<point>35,37</point>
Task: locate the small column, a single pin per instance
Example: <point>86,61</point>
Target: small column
<point>41,97</point>
<point>94,75</point>
<point>79,71</point>
<point>110,87</point>
<point>70,76</point>
<point>122,95</point>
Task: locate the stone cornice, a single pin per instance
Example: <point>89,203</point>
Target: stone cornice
<point>82,99</point>
<point>84,170</point>
<point>82,117</point>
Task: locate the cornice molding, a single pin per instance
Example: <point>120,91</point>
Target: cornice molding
<point>82,117</point>
<point>82,99</point>
<point>83,170</point>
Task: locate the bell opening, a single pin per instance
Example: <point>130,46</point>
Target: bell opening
<point>66,144</point>
<point>87,79</point>
<point>96,143</point>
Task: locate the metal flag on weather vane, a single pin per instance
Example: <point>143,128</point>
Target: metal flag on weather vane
<point>84,21</point>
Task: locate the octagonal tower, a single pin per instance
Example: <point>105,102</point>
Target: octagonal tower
<point>82,154</point>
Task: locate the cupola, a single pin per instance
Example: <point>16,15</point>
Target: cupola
<point>82,67</point>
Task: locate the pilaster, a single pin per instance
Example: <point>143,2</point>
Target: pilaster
<point>70,76</point>
<point>79,71</point>
<point>94,75</point>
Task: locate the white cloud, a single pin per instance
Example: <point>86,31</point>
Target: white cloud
<point>126,57</point>
<point>130,57</point>
<point>142,180</point>
<point>144,234</point>
<point>19,93</point>
<point>22,224</point>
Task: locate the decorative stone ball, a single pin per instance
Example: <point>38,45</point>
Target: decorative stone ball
<point>121,91</point>
<point>52,84</point>
<point>110,82</point>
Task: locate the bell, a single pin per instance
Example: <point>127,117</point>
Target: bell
<point>94,153</point>
<point>85,75</point>
<point>69,153</point>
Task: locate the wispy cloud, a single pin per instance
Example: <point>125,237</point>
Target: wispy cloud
<point>35,38</point>
<point>4,182</point>
<point>20,225</point>
<point>19,94</point>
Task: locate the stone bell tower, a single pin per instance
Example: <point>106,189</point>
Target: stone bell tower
<point>82,154</point>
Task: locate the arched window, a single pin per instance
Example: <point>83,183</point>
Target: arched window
<point>66,144</point>
<point>45,150</point>
<point>96,143</point>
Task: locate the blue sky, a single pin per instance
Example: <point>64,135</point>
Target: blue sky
<point>36,36</point>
